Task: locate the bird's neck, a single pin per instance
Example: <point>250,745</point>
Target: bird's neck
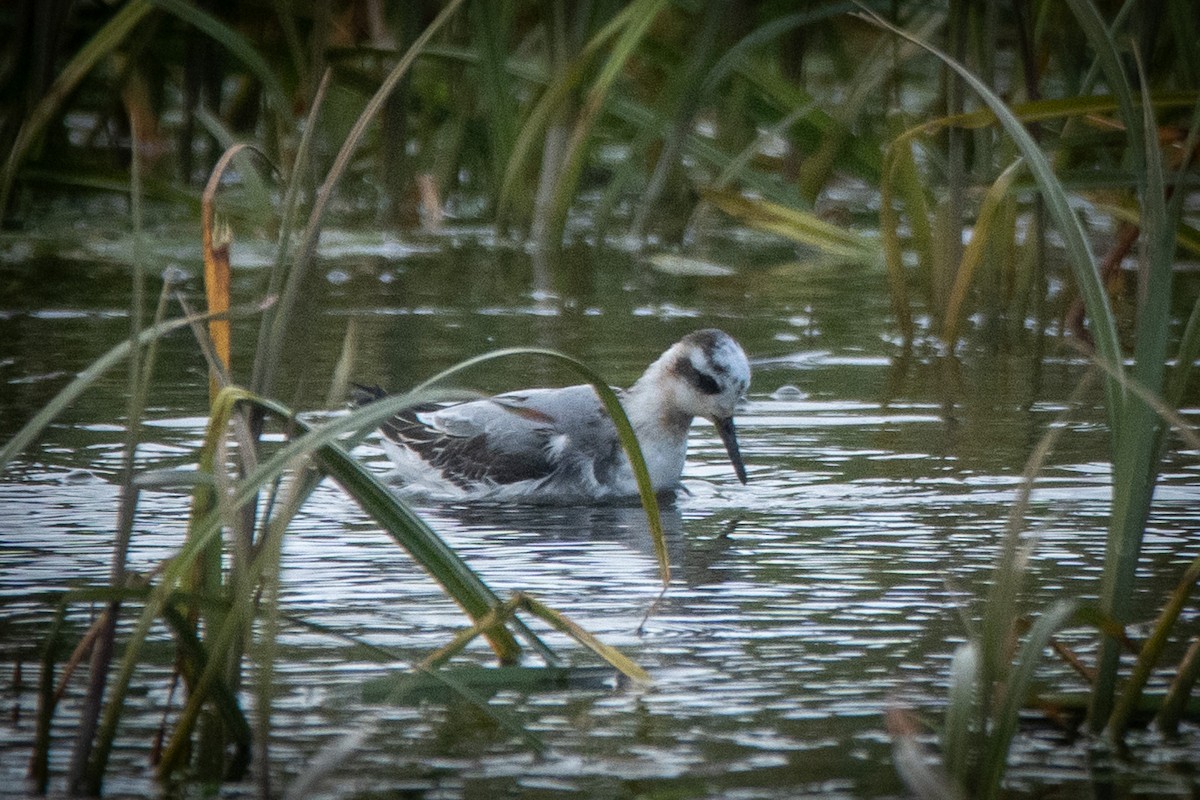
<point>652,414</point>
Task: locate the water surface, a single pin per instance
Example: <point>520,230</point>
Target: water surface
<point>802,605</point>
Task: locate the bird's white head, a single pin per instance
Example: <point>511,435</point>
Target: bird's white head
<point>712,372</point>
<point>705,374</point>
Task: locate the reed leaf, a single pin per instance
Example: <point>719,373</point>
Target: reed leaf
<point>1136,429</point>
<point>256,203</point>
<point>762,35</point>
<point>917,767</point>
<point>1187,237</point>
<point>1189,351</point>
<point>899,167</point>
<point>1109,63</point>
<point>1016,692</point>
<point>562,624</point>
<point>960,732</point>
<point>973,254</point>
<point>409,530</point>
<point>1189,343</point>
<point>1077,107</point>
<point>216,263</point>
<point>1077,246</point>
<point>860,155</point>
<point>1151,651</point>
<point>680,101</point>
<point>1179,424</point>
<point>39,761</point>
<point>296,179</point>
<point>874,69</point>
<point>398,519</point>
<point>995,723</point>
<point>393,688</point>
<point>1185,30</point>
<point>475,683</point>
<point>641,13</point>
<point>1175,703</point>
<point>521,601</point>
<point>137,390</point>
<point>492,24</point>
<point>704,151</point>
<point>201,663</point>
<point>119,686</point>
<point>549,106</point>
<point>803,227</point>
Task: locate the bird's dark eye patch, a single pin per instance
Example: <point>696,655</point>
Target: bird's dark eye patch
<point>707,384</point>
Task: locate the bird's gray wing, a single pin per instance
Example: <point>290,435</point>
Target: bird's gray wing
<point>509,438</point>
<point>500,440</point>
<point>583,440</point>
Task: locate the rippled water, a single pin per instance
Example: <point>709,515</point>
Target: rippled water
<point>801,606</point>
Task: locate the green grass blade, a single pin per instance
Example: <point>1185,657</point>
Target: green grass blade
<point>899,168</point>
<point>1016,694</point>
<point>1070,108</point>
<point>803,227</point>
<point>119,689</point>
<point>559,622</point>
<point>1185,30</point>
<point>296,180</point>
<point>1078,249</point>
<point>427,548</point>
<point>553,100</point>
<point>958,736</point>
<point>642,14</point>
<point>1109,61</point>
<point>919,770</point>
<point>206,686</point>
<point>1189,343</point>
<point>1187,237</point>
<point>1189,351</point>
<point>39,761</point>
<point>1151,651</point>
<point>1138,429</point>
<point>864,87</point>
<point>137,387</point>
<point>989,211</point>
<point>1000,614</point>
<point>1175,703</point>
<point>409,530</point>
<point>678,104</point>
<point>492,23</point>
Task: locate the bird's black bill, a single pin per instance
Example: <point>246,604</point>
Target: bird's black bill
<point>729,439</point>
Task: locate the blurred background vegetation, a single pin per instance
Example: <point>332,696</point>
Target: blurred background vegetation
<point>523,112</point>
<point>1029,164</point>
<point>639,120</point>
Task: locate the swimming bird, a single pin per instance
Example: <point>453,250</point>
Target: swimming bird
<point>559,445</point>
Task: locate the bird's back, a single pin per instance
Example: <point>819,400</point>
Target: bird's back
<point>553,441</point>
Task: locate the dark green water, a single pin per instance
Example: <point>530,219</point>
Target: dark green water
<point>802,604</point>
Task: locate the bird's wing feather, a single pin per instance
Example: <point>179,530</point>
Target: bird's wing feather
<point>509,438</point>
